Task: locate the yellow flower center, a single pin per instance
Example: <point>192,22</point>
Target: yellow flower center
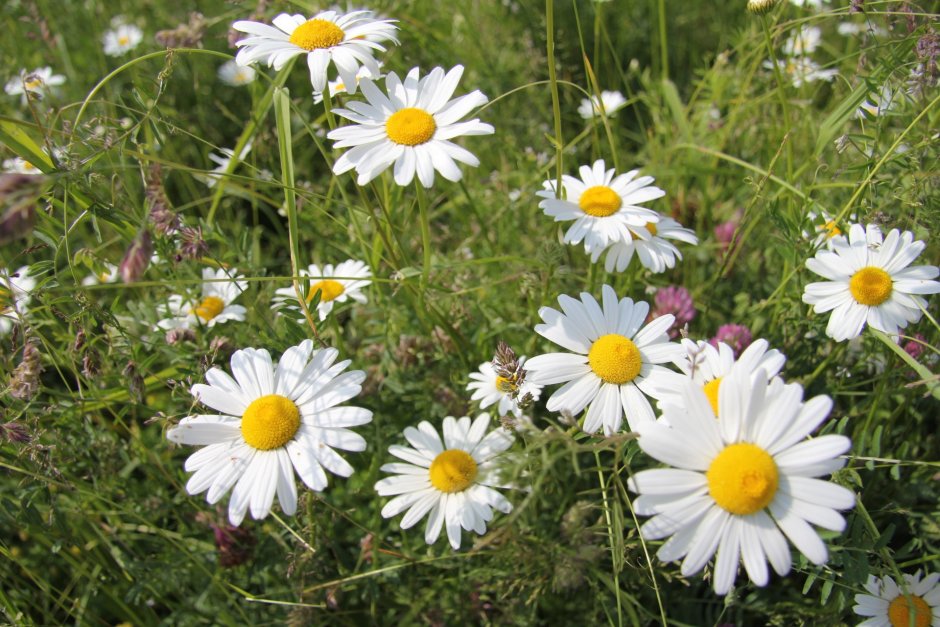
<point>123,40</point>
<point>270,422</point>
<point>600,201</point>
<point>711,391</point>
<point>453,471</point>
<point>742,479</point>
<point>506,385</point>
<point>29,167</point>
<point>33,83</point>
<point>5,301</point>
<point>651,227</point>
<point>328,288</point>
<point>830,228</point>
<point>410,127</point>
<point>316,33</point>
<point>209,308</point>
<point>615,359</point>
<point>871,286</point>
<point>899,611</point>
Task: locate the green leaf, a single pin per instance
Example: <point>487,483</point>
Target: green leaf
<point>19,141</point>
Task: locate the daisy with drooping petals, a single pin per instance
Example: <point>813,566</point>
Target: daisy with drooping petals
<point>347,39</point>
<point>742,484</point>
<point>411,127</point>
<point>219,289</point>
<point>231,73</point>
<point>609,103</point>
<point>604,208</point>
<point>450,481</point>
<point>15,288</point>
<point>489,388</point>
<point>272,418</point>
<point>651,245</point>
<point>869,281</point>
<point>335,285</point>
<point>890,605</point>
<point>123,38</point>
<point>614,360</point>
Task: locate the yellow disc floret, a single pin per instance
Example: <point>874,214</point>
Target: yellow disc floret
<point>711,391</point>
<point>209,308</point>
<point>453,471</point>
<point>742,479</point>
<point>600,201</point>
<point>899,611</point>
<point>316,34</point>
<point>871,286</point>
<point>328,288</point>
<point>410,126</point>
<point>270,422</point>
<point>615,359</point>
<point>651,227</point>
<point>831,229</point>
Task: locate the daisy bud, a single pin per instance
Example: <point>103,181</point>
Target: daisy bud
<point>760,7</point>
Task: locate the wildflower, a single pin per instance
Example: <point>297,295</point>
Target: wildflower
<point>802,42</point>
<point>736,336</point>
<point>869,281</point>
<point>231,73</point>
<point>760,7</point>
<point>19,165</point>
<point>188,35</point>
<point>272,417</point>
<point>744,483</point>
<point>915,602</point>
<point>650,242</point>
<point>234,544</point>
<point>192,245</point>
<point>137,257</point>
<point>35,83</point>
<point>122,39</point>
<point>604,208</point>
<point>825,230</point>
<point>339,87</point>
<point>219,289</point>
<point>878,104</point>
<point>108,274</point>
<point>726,235</point>
<point>503,381</point>
<point>15,292</point>
<point>848,29</point>
<point>25,381</point>
<point>410,127</point>
<point>677,301</point>
<point>346,39</point>
<point>802,70</point>
<point>609,103</point>
<point>614,359</point>
<point>334,285</point>
<point>223,163</point>
<point>450,481</point>
<point>915,346</point>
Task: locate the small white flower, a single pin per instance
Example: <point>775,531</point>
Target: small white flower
<point>651,245</point>
<point>802,70</point>
<point>604,208</point>
<point>804,41</point>
<point>124,38</point>
<point>849,29</point>
<point>869,281</point>
<point>231,73</point>
<point>15,291</point>
<point>489,389</point>
<point>451,481</point>
<point>222,163</point>
<point>879,103</point>
<point>274,420</point>
<point>19,165</point>
<point>609,103</point>
<point>335,285</point>
<point>890,605</point>
<point>410,127</point>
<point>347,39</point>
<point>824,229</point>
<point>219,289</point>
<point>39,82</point>
<point>339,87</point>
<point>109,275</point>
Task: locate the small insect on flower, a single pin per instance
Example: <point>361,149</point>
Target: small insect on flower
<point>451,481</point>
<point>274,419</point>
<point>915,602</point>
<point>503,382</point>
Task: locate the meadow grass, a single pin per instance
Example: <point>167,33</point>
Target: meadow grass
<point>97,527</point>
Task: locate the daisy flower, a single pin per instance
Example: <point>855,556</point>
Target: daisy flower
<point>614,359</point>
<point>609,103</point>
<point>123,38</point>
<point>651,245</point>
<point>450,481</point>
<point>36,82</point>
<point>824,231</point>
<point>604,208</point>
<point>339,87</point>
<point>335,285</point>
<point>222,161</point>
<point>410,127</point>
<point>879,103</point>
<point>743,484</point>
<point>869,281</point>
<point>219,288</point>
<point>802,70</point>
<point>272,417</point>
<point>231,73</point>
<point>890,605</point>
<point>15,291</point>
<point>110,274</point>
<point>346,39</point>
<point>802,42</point>
<point>489,388</point>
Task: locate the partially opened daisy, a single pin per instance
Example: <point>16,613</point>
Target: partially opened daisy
<point>38,82</point>
<point>15,288</point>
<point>490,388</point>
<point>451,481</point>
<point>614,360</point>
<point>824,230</point>
<point>742,484</point>
<point>604,207</point>
<point>347,39</point>
<point>609,103</point>
<point>334,285</point>
<point>651,244</point>
<point>869,282</point>
<point>273,420</point>
<point>916,603</point>
<point>219,289</point>
<point>410,127</point>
